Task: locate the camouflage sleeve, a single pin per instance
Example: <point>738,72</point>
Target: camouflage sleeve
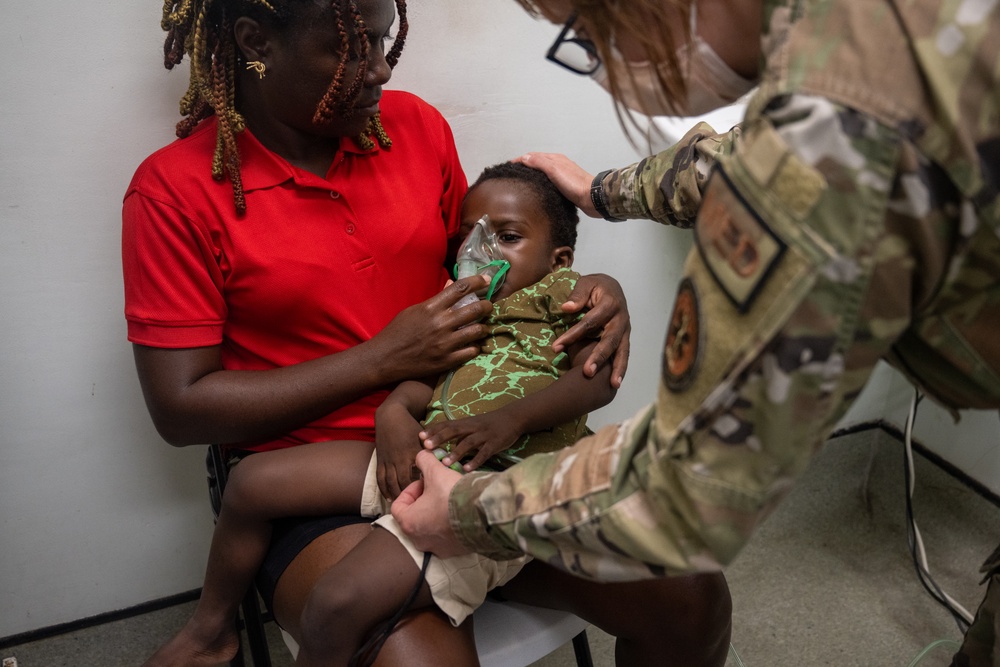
<point>802,277</point>
<point>667,187</point>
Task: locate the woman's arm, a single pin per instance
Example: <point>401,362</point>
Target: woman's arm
<point>606,319</point>
<point>193,400</point>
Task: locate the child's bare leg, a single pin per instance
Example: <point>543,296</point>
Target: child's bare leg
<point>314,479</point>
<point>352,600</point>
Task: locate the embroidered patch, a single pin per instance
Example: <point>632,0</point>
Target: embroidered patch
<point>683,347</point>
<point>738,247</point>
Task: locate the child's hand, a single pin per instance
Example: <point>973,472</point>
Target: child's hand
<point>486,435</point>
<point>396,443</point>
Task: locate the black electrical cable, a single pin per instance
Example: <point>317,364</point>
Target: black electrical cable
<point>366,655</point>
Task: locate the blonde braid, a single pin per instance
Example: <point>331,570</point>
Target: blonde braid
<point>374,126</point>
<point>190,27</point>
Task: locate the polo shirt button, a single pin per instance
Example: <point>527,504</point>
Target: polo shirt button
<point>334,194</point>
<point>350,228</point>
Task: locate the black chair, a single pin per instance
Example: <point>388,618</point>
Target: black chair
<point>550,628</point>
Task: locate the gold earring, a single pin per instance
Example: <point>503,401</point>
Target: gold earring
<point>258,67</point>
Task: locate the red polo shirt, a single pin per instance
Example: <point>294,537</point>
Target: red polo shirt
<point>315,266</point>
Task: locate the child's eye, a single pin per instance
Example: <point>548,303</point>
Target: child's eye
<point>509,237</point>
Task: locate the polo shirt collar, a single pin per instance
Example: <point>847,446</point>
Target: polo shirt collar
<point>262,168</point>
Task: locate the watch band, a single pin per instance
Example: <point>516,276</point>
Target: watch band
<point>599,199</point>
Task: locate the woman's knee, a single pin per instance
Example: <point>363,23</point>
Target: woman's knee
<point>333,602</point>
<point>240,486</point>
<point>252,483</point>
<point>693,612</point>
<point>682,620</point>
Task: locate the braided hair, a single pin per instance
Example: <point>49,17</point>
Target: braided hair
<point>561,212</point>
<point>203,29</point>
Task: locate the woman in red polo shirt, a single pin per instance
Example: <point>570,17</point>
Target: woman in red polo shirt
<point>284,261</point>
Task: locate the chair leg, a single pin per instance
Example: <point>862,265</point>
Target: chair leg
<point>254,624</point>
<point>581,649</point>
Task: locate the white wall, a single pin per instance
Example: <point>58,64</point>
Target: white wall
<point>96,512</point>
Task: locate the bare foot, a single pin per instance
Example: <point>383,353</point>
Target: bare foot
<point>192,648</point>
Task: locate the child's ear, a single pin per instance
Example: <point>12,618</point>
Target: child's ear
<point>561,258</point>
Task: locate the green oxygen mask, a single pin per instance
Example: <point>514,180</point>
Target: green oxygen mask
<point>480,254</point>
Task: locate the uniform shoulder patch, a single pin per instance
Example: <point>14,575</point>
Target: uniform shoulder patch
<point>738,247</point>
<point>683,347</point>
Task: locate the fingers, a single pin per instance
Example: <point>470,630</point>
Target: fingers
<point>409,495</point>
<point>388,484</point>
<point>605,348</point>
<point>383,486</point>
<point>571,179</point>
<point>422,509</point>
<point>428,464</point>
<point>586,328</point>
<point>459,288</point>
<point>620,364</point>
<point>462,447</point>
<point>431,337</point>
<point>437,434</point>
<point>429,436</point>
<point>608,317</point>
<point>482,455</point>
<point>577,298</point>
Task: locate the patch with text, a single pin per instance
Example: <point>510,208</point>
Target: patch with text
<point>738,247</point>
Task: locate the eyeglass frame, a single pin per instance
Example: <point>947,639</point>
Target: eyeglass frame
<point>586,44</point>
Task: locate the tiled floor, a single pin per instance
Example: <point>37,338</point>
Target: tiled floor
<point>827,580</point>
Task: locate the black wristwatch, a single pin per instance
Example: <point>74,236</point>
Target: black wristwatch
<point>599,199</point>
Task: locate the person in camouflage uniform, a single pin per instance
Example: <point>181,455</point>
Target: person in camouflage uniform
<point>853,216</point>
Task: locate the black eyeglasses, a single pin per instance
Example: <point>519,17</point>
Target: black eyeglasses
<point>577,54</point>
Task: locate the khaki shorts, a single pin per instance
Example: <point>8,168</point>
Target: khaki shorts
<point>458,585</point>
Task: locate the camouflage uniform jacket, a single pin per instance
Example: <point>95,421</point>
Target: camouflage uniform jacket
<point>852,217</point>
<point>516,360</point>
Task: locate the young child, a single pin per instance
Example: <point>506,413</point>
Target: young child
<point>517,398</point>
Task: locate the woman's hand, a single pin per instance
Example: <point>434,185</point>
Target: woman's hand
<point>606,319</point>
<point>571,179</point>
<point>485,434</point>
<point>431,337</point>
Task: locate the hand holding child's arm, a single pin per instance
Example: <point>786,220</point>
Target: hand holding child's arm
<point>396,436</point>
<point>607,315</point>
